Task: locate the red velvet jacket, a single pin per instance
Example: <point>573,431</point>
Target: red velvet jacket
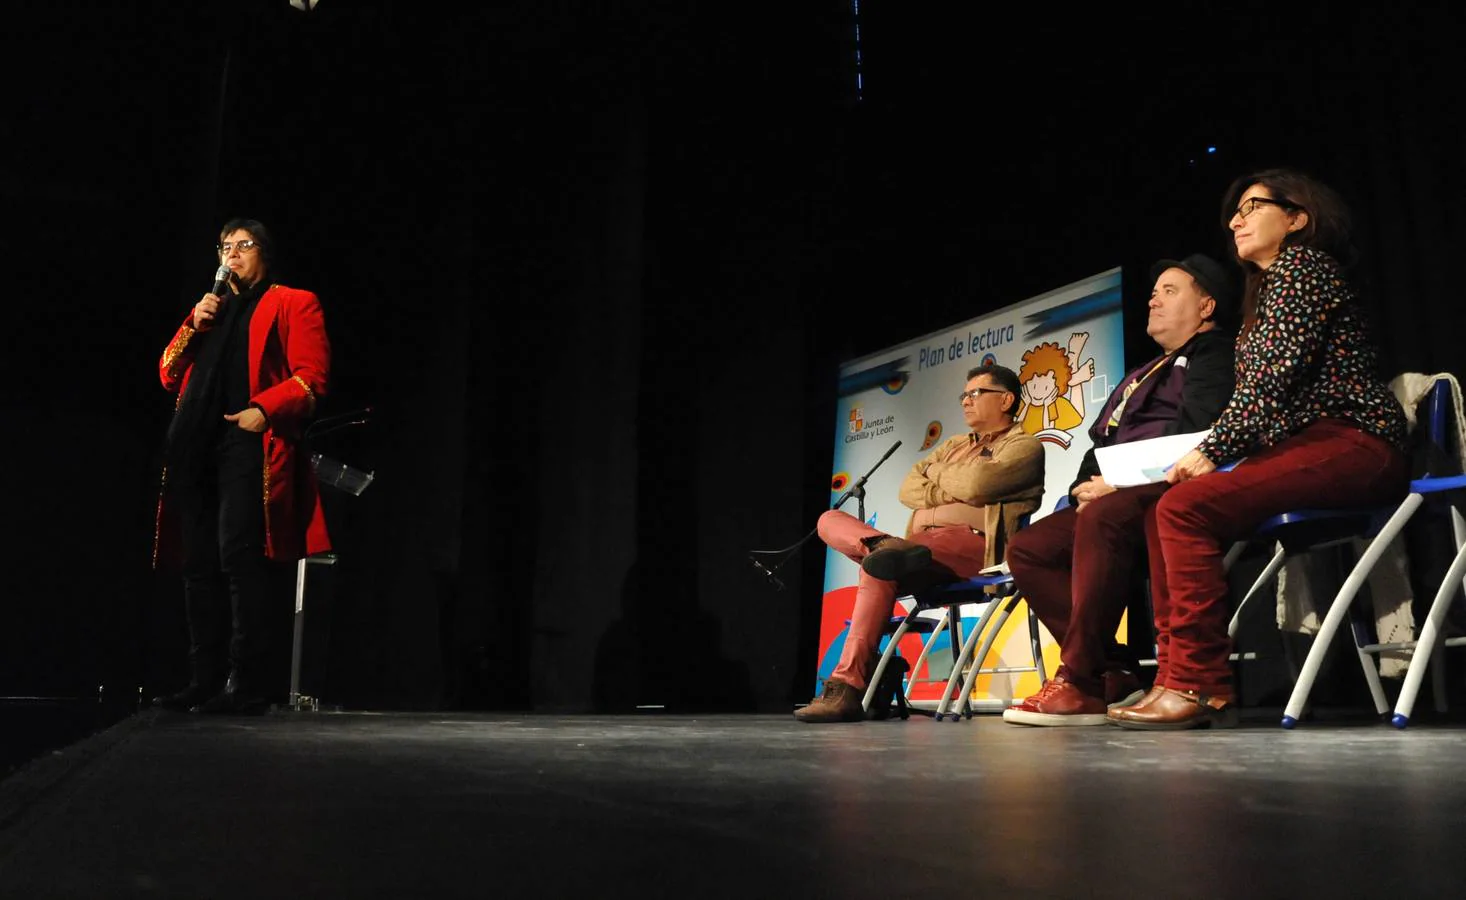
<point>289,364</point>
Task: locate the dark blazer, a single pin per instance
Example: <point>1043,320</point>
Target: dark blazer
<point>1186,394</point>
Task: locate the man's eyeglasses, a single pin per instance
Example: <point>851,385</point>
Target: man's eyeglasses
<point>973,394</point>
<point>1249,206</point>
<point>241,246</point>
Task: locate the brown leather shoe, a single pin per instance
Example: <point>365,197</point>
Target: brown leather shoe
<point>1116,713</point>
<point>1173,710</point>
<point>840,702</point>
<point>893,558</point>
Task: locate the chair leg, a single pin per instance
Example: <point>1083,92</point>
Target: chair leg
<point>1337,610</point>
<point>981,655</point>
<point>966,653</point>
<point>1263,580</point>
<point>1426,644</point>
<point>297,640</point>
<point>874,681</point>
<point>926,650</point>
<point>1438,677</point>
<point>1368,664</point>
<point>1233,554</point>
<point>954,629</point>
<point>1035,646</point>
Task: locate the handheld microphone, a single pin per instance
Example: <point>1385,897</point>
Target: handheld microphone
<point>221,280</point>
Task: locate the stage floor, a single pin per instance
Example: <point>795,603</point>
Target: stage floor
<point>327,805</point>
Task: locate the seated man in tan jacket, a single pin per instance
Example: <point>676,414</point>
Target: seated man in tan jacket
<point>967,495</point>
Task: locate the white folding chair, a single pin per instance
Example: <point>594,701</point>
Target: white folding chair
<point>993,612</point>
<point>1429,645</point>
<point>1437,408</point>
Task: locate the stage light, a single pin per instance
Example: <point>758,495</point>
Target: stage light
<point>303,5</point>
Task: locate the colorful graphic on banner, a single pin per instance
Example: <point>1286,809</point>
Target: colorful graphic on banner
<point>1068,349</point>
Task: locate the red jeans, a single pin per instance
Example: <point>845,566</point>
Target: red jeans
<point>1078,571</point>
<point>1331,464</point>
<point>956,548</point>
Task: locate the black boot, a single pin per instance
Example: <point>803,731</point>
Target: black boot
<point>236,697</point>
<point>204,681</point>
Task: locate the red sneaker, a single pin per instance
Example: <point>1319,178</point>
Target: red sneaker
<point>1031,702</point>
<point>1059,703</point>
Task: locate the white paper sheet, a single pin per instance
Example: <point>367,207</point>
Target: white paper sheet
<point>1142,462</point>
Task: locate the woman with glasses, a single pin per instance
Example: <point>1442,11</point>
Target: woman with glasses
<point>1311,423</point>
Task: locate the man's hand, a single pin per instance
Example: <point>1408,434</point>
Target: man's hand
<point>1090,491</point>
<point>205,311</point>
<point>1190,466</point>
<point>250,419</point>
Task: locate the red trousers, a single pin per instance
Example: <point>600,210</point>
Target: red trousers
<point>955,548</point>
<point>1331,464</point>
<point>1078,571</point>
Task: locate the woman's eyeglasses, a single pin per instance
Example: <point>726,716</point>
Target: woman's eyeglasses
<point>1250,205</point>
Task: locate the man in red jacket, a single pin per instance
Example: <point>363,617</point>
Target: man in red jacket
<point>249,365</point>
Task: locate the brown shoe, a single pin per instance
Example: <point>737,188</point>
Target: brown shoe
<point>1174,710</point>
<point>840,702</point>
<point>893,558</point>
<point>1116,713</point>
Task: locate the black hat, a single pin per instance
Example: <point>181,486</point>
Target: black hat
<point>1214,278</point>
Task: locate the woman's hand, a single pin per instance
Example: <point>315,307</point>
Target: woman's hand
<point>1190,466</point>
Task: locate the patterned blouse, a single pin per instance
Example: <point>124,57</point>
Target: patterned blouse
<point>1308,356</point>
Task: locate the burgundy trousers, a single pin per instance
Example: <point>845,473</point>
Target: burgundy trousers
<point>955,548</point>
<point>1330,464</point>
<point>1079,570</point>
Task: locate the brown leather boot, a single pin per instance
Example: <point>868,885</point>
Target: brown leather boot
<point>1174,710</point>
<point>1118,713</point>
<point>840,702</point>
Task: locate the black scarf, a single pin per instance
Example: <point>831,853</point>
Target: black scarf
<point>199,416</point>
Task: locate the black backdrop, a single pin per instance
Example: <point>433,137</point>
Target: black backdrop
<point>593,267</point>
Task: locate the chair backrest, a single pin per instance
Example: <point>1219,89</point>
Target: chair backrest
<point>1433,432</point>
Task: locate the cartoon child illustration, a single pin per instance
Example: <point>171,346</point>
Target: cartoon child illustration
<point>1051,376</point>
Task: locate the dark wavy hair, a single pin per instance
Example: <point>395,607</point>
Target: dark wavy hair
<point>1330,224</point>
<point>257,230</point>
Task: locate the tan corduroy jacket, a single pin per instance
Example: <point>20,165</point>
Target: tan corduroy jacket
<point>1008,484</point>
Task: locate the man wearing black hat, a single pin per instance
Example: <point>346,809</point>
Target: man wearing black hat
<point>1078,566</point>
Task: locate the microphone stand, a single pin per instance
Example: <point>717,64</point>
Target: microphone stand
<point>857,490</point>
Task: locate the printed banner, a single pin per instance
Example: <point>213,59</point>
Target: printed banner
<point>1068,349</point>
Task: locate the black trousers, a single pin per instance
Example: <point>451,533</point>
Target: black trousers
<point>226,578</point>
